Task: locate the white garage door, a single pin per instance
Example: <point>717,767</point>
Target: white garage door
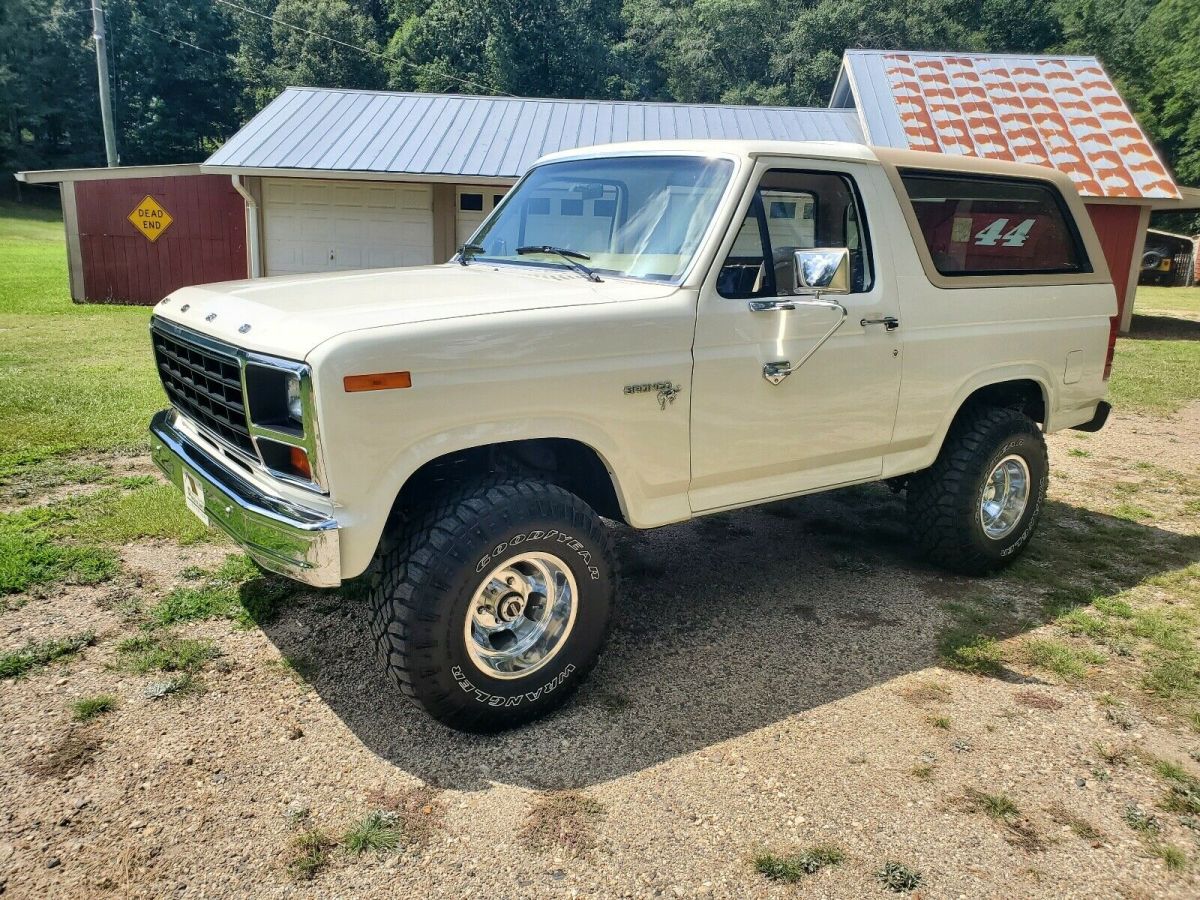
<point>473,206</point>
<point>320,226</point>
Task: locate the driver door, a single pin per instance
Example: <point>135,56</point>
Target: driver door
<point>830,421</point>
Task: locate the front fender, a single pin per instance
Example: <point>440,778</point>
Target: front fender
<point>363,521</point>
<point>569,373</point>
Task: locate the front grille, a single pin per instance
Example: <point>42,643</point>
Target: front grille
<point>205,385</point>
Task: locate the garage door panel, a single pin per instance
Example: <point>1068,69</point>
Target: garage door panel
<point>320,226</point>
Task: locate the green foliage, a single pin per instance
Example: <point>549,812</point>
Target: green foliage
<point>300,57</point>
<point>1173,857</point>
<point>966,642</point>
<point>998,806</point>
<point>119,517</point>
<point>378,832</point>
<point>237,590</point>
<point>1169,82</point>
<point>1140,820</point>
<point>164,652</point>
<point>1064,661</point>
<point>35,655</point>
<point>91,707</point>
<point>308,854</point>
<point>1159,377</point>
<point>898,877</point>
<point>791,868</point>
<point>730,51</point>
<point>47,408</point>
<point>161,53</point>
<point>32,554</point>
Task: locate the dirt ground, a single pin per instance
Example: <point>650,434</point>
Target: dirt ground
<point>771,683</point>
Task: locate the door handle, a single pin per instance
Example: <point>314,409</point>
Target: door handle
<point>775,372</point>
<point>771,305</point>
<point>891,323</point>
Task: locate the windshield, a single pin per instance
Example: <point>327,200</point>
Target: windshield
<point>638,216</point>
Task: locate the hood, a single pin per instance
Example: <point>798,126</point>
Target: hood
<point>289,316</point>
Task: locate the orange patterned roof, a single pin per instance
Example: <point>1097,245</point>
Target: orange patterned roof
<point>1060,112</point>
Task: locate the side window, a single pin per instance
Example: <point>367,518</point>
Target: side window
<point>994,226</point>
<point>794,210</point>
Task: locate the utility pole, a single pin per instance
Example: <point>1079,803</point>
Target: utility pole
<point>110,133</point>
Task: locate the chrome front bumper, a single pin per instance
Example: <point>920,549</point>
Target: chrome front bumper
<point>280,535</point>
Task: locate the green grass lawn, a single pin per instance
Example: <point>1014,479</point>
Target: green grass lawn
<point>72,377</point>
<point>1157,368</point>
<point>1168,300</point>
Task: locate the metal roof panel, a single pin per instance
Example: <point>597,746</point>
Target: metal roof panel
<point>496,137</point>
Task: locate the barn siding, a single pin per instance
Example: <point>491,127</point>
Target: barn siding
<point>1121,230</point>
<point>206,240</point>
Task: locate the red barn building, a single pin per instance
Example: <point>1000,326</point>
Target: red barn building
<point>136,233</point>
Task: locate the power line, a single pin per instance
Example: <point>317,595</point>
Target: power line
<point>179,40</point>
<point>404,62</point>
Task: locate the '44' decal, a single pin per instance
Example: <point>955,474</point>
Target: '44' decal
<point>995,234</point>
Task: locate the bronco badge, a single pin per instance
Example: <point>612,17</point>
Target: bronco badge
<point>667,392</point>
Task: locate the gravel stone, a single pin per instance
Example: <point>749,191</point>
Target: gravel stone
<point>757,693</point>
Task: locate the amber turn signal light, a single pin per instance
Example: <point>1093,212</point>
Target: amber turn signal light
<point>300,464</point>
<point>381,382</point>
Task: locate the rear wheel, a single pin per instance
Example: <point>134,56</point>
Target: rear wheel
<point>492,607</point>
<point>975,509</point>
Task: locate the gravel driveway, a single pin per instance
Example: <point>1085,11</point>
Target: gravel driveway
<point>771,683</point>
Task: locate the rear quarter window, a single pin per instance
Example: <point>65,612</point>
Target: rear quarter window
<point>975,225</point>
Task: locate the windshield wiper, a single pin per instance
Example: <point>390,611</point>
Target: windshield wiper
<point>466,251</point>
<point>571,257</point>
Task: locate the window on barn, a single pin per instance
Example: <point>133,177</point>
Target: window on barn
<point>470,202</point>
<point>994,226</point>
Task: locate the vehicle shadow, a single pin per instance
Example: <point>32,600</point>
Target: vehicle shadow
<point>1163,328</point>
<point>724,625</point>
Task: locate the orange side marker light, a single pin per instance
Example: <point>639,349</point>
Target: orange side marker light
<point>300,465</point>
<point>382,381</point>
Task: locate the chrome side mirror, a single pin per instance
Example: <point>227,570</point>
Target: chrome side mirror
<point>822,270</point>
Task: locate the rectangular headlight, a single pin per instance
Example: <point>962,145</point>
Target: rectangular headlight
<point>279,403</point>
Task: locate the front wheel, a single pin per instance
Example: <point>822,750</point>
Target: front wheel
<point>490,609</point>
<point>975,509</point>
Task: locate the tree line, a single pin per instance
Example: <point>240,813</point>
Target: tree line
<point>187,73</point>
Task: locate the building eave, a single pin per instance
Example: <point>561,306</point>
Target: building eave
<point>353,175</point>
<point>58,176</point>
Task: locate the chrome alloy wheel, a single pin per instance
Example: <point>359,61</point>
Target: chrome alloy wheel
<point>521,615</point>
<point>1005,496</point>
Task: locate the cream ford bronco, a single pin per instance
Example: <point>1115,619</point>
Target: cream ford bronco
<point>646,333</point>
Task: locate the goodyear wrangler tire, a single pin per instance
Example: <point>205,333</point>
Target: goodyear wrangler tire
<point>975,509</point>
<point>491,608</point>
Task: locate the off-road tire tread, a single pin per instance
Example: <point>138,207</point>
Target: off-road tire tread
<point>939,497</point>
<point>403,585</point>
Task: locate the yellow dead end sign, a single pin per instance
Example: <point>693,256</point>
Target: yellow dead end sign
<point>150,218</point>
